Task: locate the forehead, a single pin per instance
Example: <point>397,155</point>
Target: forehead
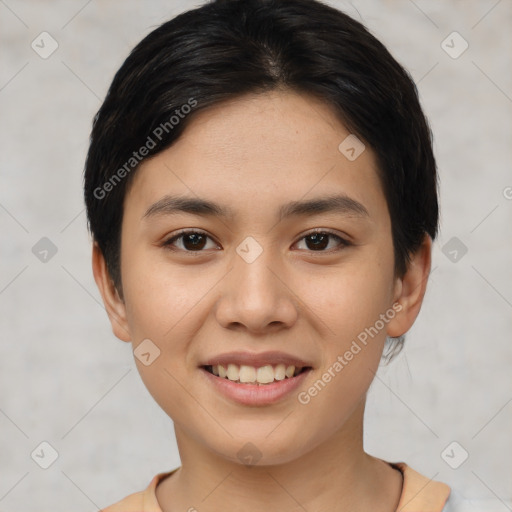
<point>257,149</point>
<point>266,129</point>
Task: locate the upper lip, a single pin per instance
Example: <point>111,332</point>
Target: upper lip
<point>256,359</point>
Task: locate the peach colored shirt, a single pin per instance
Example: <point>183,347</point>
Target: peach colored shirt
<point>419,494</point>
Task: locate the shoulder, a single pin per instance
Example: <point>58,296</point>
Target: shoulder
<point>420,493</point>
<point>423,494</point>
<point>142,501</point>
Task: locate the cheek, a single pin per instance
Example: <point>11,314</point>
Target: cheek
<point>352,347</point>
<point>159,307</point>
<point>349,298</point>
<point>157,295</point>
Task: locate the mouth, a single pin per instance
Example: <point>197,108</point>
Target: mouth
<point>255,376</point>
<point>255,379</point>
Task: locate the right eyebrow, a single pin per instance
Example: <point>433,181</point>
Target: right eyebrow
<point>169,205</point>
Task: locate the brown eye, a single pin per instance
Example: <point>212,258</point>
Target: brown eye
<point>318,241</point>
<point>197,241</point>
<point>191,241</point>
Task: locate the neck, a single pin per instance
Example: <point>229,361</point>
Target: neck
<point>335,475</point>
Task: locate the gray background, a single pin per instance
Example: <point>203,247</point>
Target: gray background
<point>66,380</point>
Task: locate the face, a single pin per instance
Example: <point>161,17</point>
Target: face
<point>264,281</point>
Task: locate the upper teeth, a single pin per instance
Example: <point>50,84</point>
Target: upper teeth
<point>262,375</point>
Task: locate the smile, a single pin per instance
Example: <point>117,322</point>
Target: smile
<point>263,375</point>
<point>255,393</point>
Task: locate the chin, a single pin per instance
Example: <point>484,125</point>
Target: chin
<point>262,448</point>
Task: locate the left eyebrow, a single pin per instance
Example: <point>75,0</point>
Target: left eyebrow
<point>342,204</point>
<point>339,203</point>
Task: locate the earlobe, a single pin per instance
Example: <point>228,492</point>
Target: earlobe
<point>114,305</point>
<point>410,289</point>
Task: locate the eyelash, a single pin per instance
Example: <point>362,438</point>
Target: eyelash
<point>168,243</point>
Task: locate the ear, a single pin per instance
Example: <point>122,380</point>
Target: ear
<point>410,289</point>
<point>114,305</point>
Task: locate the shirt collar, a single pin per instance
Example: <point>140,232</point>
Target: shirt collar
<point>419,493</point>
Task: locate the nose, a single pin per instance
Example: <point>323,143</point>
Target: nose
<point>255,295</point>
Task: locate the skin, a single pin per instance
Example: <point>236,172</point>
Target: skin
<point>254,154</point>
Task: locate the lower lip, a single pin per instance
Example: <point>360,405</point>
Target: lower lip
<point>254,394</point>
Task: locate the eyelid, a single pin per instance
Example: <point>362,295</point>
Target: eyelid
<point>344,240</point>
<point>185,231</point>
<point>175,236</point>
<point>327,231</point>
